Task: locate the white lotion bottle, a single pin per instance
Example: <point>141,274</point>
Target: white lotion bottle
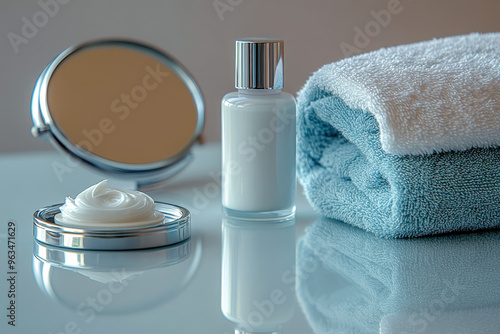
<point>258,136</point>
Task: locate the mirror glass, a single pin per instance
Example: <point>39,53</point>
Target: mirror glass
<point>124,102</point>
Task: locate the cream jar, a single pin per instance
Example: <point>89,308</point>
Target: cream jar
<point>106,218</point>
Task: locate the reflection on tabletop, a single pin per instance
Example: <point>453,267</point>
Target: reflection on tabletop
<point>349,281</point>
<point>258,274</point>
<point>114,282</point>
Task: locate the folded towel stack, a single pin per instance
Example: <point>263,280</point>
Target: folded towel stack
<point>350,281</point>
<point>404,141</point>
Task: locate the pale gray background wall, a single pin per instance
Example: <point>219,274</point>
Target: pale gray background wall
<point>193,32</point>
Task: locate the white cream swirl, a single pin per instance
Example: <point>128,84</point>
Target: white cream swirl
<point>101,206</point>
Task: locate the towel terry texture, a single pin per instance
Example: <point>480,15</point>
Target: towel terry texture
<point>404,141</point>
<point>350,281</point>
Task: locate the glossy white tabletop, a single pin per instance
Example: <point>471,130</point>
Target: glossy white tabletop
<point>348,281</point>
<point>152,297</point>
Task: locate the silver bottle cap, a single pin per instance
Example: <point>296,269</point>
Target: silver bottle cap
<point>259,64</point>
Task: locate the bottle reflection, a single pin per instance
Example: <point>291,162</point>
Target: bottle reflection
<point>113,282</point>
<point>258,274</point>
<point>350,281</point>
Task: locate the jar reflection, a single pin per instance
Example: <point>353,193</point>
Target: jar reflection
<point>97,283</point>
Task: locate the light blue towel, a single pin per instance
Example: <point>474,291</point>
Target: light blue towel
<point>350,281</point>
<point>403,141</point>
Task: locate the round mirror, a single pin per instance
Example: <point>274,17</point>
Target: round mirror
<point>120,106</point>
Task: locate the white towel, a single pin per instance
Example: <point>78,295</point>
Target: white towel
<point>427,97</point>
